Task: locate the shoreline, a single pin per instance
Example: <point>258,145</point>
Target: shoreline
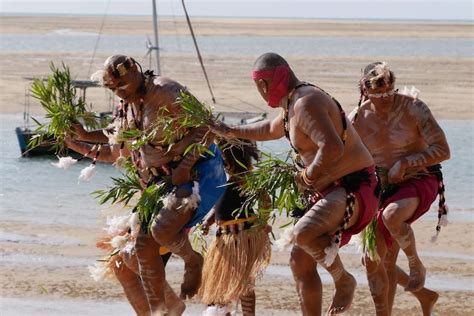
<point>52,277</point>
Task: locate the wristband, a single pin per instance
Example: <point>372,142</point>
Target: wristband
<point>305,178</point>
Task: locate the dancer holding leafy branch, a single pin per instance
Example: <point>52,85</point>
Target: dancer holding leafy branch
<point>407,145</point>
<point>334,165</point>
<point>185,160</point>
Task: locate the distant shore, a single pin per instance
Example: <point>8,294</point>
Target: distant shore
<point>445,83</point>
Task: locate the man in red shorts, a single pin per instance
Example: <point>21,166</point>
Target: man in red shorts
<point>333,163</point>
<point>407,145</point>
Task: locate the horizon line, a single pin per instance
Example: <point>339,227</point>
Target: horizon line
<point>46,14</point>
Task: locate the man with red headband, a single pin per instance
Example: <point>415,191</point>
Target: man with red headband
<point>407,145</point>
<point>335,167</point>
<point>197,179</point>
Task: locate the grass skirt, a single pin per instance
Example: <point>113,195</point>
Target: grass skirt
<point>231,265</point>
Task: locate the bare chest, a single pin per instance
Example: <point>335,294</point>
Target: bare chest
<point>389,134</point>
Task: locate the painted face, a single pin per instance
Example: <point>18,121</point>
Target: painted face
<point>381,96</point>
<point>262,87</point>
<point>124,87</point>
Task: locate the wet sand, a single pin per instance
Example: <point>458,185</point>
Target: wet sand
<point>47,269</point>
<point>44,267</point>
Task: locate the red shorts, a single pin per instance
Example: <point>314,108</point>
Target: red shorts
<point>368,205</point>
<point>425,188</point>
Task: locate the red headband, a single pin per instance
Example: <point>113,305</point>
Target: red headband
<point>279,87</point>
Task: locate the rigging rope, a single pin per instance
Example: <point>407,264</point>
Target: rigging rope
<point>98,38</point>
<point>198,52</point>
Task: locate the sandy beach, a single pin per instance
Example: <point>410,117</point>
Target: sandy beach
<point>445,83</point>
<point>43,270</point>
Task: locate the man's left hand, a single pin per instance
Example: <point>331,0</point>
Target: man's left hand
<point>396,174</point>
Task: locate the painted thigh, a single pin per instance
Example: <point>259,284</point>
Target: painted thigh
<point>400,211</point>
<point>325,216</point>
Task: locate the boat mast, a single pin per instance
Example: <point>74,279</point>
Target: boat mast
<point>156,47</point>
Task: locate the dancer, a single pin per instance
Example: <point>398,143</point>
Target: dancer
<point>197,179</point>
<point>407,145</point>
<point>335,166</point>
<point>241,248</point>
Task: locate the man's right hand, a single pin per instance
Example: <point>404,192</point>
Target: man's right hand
<point>78,131</point>
<point>223,130</point>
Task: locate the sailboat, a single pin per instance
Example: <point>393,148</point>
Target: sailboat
<point>26,132</point>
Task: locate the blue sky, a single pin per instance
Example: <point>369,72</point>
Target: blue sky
<point>341,9</point>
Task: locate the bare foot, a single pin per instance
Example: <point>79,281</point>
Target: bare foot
<point>345,288</point>
<point>427,299</point>
<point>174,304</point>
<point>417,276</point>
<point>192,277</point>
<point>177,309</point>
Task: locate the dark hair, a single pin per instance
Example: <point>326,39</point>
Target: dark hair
<point>238,156</point>
<point>269,61</point>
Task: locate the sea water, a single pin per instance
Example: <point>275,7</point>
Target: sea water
<point>33,190</point>
<point>68,41</point>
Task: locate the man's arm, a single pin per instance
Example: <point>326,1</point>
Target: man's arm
<point>438,148</point>
<point>96,136</point>
<point>182,173</point>
<point>156,156</point>
<point>260,131</point>
<point>316,123</point>
<point>108,153</point>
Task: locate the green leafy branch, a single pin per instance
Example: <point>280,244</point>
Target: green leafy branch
<point>274,177</point>
<point>368,239</point>
<point>122,190</point>
<point>57,96</point>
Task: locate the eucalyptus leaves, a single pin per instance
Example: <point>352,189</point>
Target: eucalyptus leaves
<point>123,189</point>
<point>63,107</point>
<point>275,177</point>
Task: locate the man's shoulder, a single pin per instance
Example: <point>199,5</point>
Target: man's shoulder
<point>165,86</point>
<point>413,106</point>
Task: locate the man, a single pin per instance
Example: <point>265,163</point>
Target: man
<point>406,143</point>
<point>147,96</point>
<point>329,151</point>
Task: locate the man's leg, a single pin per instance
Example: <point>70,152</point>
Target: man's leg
<point>173,303</point>
<point>392,272</point>
<point>308,283</point>
<point>132,286</point>
<point>151,270</point>
<point>312,234</point>
<point>394,217</point>
<point>167,231</point>
<point>378,279</point>
<point>426,297</point>
<point>247,301</point>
